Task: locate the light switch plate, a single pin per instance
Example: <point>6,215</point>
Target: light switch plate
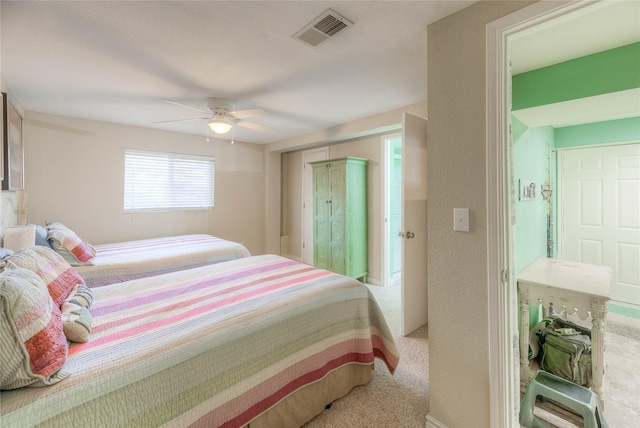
<point>461,219</point>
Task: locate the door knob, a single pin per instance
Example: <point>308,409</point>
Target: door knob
<point>410,235</point>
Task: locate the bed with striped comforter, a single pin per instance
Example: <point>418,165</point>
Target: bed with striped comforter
<point>124,261</point>
<point>212,346</point>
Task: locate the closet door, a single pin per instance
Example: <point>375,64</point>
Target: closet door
<point>600,213</point>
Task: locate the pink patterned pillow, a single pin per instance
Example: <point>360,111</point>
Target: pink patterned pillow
<point>65,241</point>
<point>34,347</point>
<point>58,275</point>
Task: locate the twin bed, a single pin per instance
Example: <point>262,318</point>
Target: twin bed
<point>124,261</point>
<point>255,341</point>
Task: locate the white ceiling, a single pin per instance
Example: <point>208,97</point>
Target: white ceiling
<point>117,60</point>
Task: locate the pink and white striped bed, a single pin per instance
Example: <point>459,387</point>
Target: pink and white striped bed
<point>129,260</point>
<point>257,341</point>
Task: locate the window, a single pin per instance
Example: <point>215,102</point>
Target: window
<point>167,181</point>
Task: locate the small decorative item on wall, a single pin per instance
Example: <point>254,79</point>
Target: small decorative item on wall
<point>13,148</point>
<point>527,190</point>
<point>545,191</point>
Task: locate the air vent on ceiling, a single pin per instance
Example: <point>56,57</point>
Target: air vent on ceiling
<point>323,28</point>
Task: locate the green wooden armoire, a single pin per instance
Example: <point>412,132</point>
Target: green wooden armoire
<point>340,216</point>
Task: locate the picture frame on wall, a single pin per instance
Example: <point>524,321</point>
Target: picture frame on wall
<point>527,190</point>
<point>13,148</point>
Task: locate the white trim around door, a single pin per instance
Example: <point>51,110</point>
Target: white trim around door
<point>504,389</point>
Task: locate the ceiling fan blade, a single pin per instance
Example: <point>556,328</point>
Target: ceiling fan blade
<point>187,106</point>
<point>255,126</point>
<point>252,112</point>
<point>183,120</point>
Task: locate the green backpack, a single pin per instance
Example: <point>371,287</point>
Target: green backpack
<point>566,351</point>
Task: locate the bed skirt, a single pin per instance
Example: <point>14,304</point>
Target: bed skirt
<point>309,401</point>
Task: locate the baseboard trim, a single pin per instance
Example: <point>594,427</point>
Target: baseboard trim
<point>292,257</point>
<point>374,281</point>
<point>434,423</point>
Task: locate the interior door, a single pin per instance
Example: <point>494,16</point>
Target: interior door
<point>600,213</point>
<point>414,223</point>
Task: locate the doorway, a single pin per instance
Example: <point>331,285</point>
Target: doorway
<point>408,160</point>
<point>504,389</point>
<point>392,255</point>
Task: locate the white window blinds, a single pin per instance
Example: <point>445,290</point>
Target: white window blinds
<point>167,181</point>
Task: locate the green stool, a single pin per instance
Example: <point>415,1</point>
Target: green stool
<point>582,400</point>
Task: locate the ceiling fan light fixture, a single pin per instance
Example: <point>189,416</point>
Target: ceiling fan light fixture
<point>220,125</point>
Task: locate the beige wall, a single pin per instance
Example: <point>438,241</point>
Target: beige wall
<point>74,172</point>
<point>292,204</point>
<point>369,148</point>
<point>458,317</point>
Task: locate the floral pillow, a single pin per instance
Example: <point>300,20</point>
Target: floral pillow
<point>65,285</point>
<point>58,275</point>
<point>65,242</point>
<point>34,347</point>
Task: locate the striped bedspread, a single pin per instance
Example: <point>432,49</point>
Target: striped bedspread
<point>210,346</point>
<point>125,261</point>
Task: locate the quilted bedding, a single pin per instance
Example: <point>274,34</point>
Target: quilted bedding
<point>124,261</point>
<point>211,346</point>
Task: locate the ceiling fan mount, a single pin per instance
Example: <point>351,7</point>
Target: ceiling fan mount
<point>221,117</point>
<point>221,121</point>
<point>219,105</point>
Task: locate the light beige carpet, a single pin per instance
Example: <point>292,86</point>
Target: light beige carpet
<point>399,400</point>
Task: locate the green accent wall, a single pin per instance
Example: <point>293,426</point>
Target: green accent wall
<point>534,160</point>
<point>601,73</point>
<point>517,128</point>
<point>605,72</point>
<point>531,147</point>
<point>531,155</point>
<point>612,131</point>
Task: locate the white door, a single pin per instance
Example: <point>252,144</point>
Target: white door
<point>599,205</point>
<point>307,201</point>
<point>414,223</point>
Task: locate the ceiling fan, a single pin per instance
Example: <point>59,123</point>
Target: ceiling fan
<point>221,117</point>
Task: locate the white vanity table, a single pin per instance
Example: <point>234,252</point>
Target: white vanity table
<point>567,286</point>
